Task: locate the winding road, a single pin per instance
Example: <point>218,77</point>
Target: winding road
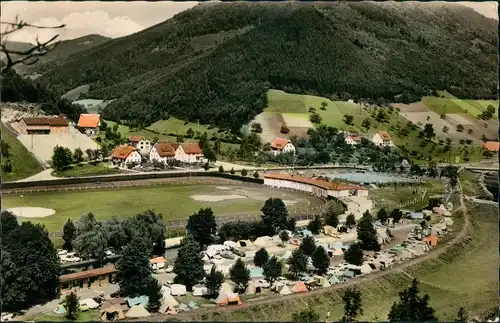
<point>400,268</point>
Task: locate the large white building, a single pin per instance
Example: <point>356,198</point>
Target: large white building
<point>142,144</point>
<point>314,186</point>
<point>382,139</point>
<point>125,157</point>
<point>188,153</point>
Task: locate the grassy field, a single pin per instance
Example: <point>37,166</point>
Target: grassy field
<point>173,201</point>
<point>388,197</point>
<point>296,104</point>
<point>88,316</point>
<point>454,105</point>
<point>470,184</point>
<point>466,276</point>
<point>87,169</point>
<point>23,163</point>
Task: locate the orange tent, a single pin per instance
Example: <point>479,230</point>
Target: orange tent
<point>299,287</point>
<point>431,240</point>
<point>228,299</point>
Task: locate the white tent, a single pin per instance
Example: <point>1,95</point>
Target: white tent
<point>253,288</point>
<point>177,290</point>
<point>284,290</point>
<point>170,300</point>
<point>365,268</point>
<point>90,303</point>
<point>262,242</point>
<point>200,290</point>
<point>137,311</point>
<point>230,244</point>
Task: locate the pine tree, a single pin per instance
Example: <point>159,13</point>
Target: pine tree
<point>354,254</point>
<point>272,269</point>
<point>201,225</point>
<point>154,295</point>
<point>350,221</point>
<point>353,306</point>
<point>367,234</point>
<point>188,266</point>
<point>134,269</point>
<point>382,215</point>
<point>396,215</point>
<point>274,216</point>
<point>297,262</point>
<point>315,225</point>
<point>213,282</point>
<point>261,257</point>
<point>320,260</point>
<point>69,231</point>
<point>308,245</point>
<point>240,274</point>
<point>412,307</point>
<point>462,315</point>
<point>71,303</point>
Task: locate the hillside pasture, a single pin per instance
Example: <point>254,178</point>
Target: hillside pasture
<point>282,102</point>
<point>454,105</point>
<point>180,127</point>
<point>420,118</point>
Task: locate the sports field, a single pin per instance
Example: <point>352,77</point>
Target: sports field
<point>175,202</point>
<point>465,276</point>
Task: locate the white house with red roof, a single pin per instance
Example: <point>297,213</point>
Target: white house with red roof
<point>382,139</point>
<point>188,153</point>
<point>281,146</point>
<point>352,139</point>
<point>125,156</point>
<point>142,144</point>
<point>89,124</point>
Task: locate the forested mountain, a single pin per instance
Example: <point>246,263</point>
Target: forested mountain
<point>17,89</point>
<point>213,63</point>
<point>62,51</point>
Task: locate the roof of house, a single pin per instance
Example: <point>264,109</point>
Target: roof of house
<point>158,260</point>
<point>122,152</point>
<point>89,121</point>
<point>136,138</point>
<point>384,135</point>
<point>46,121</point>
<point>279,143</point>
<point>88,273</point>
<point>166,148</point>
<point>353,136</point>
<point>491,145</point>
<point>191,148</point>
<point>331,186</point>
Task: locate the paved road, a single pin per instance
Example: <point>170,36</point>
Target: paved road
<point>44,175</point>
<point>398,268</point>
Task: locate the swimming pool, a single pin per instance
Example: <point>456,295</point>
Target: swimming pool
<point>372,178</point>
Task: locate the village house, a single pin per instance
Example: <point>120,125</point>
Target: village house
<point>125,157</point>
<point>86,279</point>
<point>314,186</point>
<point>491,146</point>
<point>163,152</point>
<point>188,153</point>
<point>352,139</point>
<point>43,126</point>
<point>281,145</point>
<point>141,143</point>
<point>89,124</point>
<point>382,139</point>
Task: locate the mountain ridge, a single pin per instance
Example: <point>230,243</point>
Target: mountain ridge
<point>215,63</point>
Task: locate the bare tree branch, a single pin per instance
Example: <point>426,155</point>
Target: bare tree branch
<point>31,55</point>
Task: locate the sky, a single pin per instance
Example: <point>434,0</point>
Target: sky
<point>113,19</point>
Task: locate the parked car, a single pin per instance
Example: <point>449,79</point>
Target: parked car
<point>61,252</point>
<point>227,255</point>
<point>238,252</point>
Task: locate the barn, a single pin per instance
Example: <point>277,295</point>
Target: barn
<point>43,126</point>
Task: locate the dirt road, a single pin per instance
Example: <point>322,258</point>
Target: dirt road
<point>398,268</point>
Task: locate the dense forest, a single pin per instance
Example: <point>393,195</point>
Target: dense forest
<point>214,63</point>
<point>17,89</point>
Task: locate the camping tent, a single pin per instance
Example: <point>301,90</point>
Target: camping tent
<point>262,242</point>
<point>167,309</point>
<point>112,313</point>
<point>245,243</point>
<point>200,290</point>
<point>228,299</point>
<point>329,230</point>
<point>137,311</point>
<point>299,287</point>
<point>253,288</point>
<point>230,244</point>
<point>334,280</point>
<point>284,290</point>
<point>177,290</point>
<point>226,288</point>
<point>338,252</point>
<point>90,303</point>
